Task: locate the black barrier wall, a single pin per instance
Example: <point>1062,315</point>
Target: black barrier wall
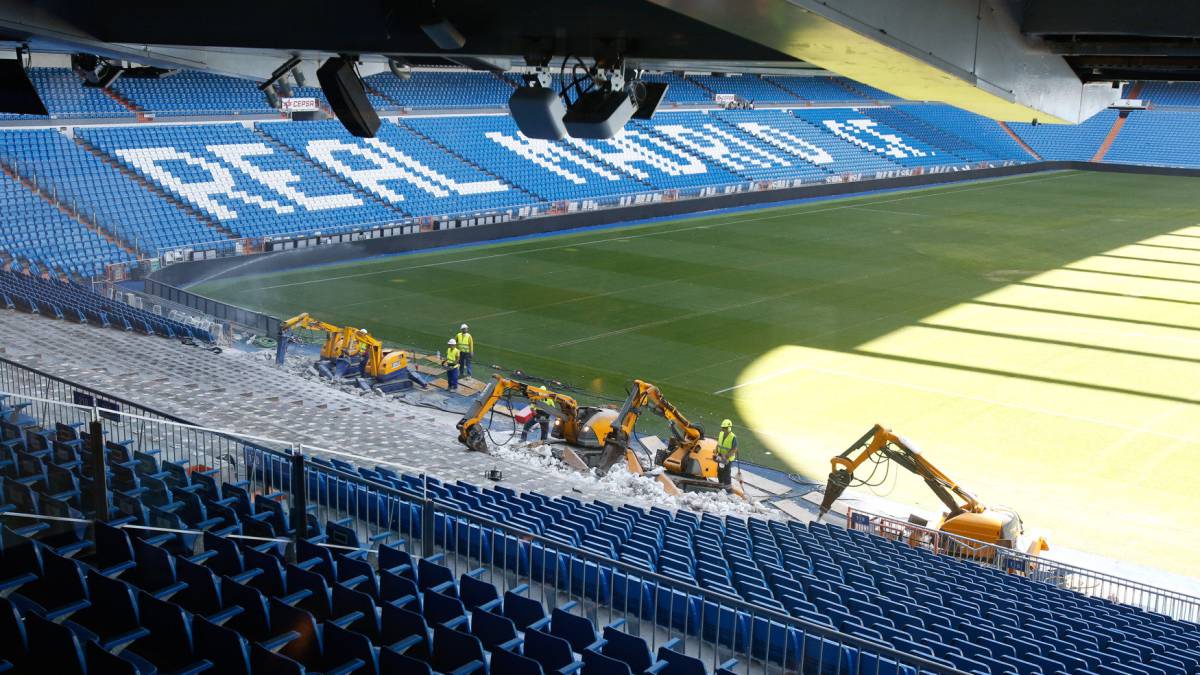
<point>170,282</point>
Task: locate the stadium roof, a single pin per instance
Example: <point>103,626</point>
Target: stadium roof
<point>1013,60</point>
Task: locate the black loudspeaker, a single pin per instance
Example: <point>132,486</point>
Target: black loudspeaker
<point>599,114</point>
<point>344,89</point>
<point>538,112</point>
<point>17,94</point>
<point>649,95</point>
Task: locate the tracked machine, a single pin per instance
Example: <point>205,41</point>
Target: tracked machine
<point>690,459</point>
<point>582,429</point>
<point>346,350</point>
<point>966,516</point>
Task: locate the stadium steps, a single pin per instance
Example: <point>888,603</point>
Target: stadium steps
<point>345,182</point>
<point>467,160</point>
<point>1110,137</point>
<point>1020,142</point>
<point>70,212</point>
<point>153,187</point>
<point>126,103</point>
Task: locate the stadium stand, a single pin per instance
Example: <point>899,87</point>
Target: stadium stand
<point>681,89</point>
<point>443,89</point>
<point>853,126</point>
<point>138,594</point>
<point>1067,142</point>
<point>65,96</point>
<point>823,89</point>
<point>978,130</point>
<point>1171,94</point>
<point>239,178</point>
<point>748,87</point>
<point>72,302</point>
<point>145,220</point>
<point>34,231</point>
<point>931,135</point>
<point>190,92</point>
<point>552,171</point>
<point>865,90</point>
<point>1159,138</point>
<point>405,170</point>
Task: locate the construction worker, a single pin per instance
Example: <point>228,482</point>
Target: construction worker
<point>539,418</point>
<point>727,450</point>
<point>466,348</point>
<point>451,362</point>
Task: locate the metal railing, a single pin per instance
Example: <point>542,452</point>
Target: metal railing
<point>359,510</point>
<point>355,512</point>
<point>1035,568</point>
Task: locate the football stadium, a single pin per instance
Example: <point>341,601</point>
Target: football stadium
<point>632,337</point>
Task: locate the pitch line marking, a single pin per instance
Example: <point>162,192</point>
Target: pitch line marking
<point>491,256</point>
<point>965,397</point>
<point>892,212</point>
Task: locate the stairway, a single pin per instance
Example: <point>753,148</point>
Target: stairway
<point>1020,142</point>
<point>70,212</point>
<point>1111,136</point>
<point>125,103</point>
<point>170,198</point>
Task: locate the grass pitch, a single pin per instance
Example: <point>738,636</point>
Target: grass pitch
<point>1038,337</point>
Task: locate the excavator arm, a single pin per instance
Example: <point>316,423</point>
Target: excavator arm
<point>337,338</point>
<point>470,431</point>
<point>883,442</point>
<point>642,395</point>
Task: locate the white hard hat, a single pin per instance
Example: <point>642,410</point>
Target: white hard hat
<point>463,327</point>
<point>451,341</point>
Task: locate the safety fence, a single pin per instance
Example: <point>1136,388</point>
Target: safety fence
<point>1035,568</point>
<point>315,491</point>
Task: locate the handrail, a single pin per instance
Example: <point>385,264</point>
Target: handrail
<point>1160,595</point>
<point>1036,568</point>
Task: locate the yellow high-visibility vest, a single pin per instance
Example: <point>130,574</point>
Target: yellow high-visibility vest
<point>465,342</point>
<point>451,356</point>
<point>725,441</point>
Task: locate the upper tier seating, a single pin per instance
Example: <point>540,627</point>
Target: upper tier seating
<point>1171,94</point>
<point>65,96</point>
<point>1077,142</point>
<point>865,90</point>
<point>979,131</point>
<point>36,231</point>
<point>70,302</point>
<point>680,89</point>
<point>1158,137</point>
<point>749,87</point>
<point>144,220</point>
<point>443,89</point>
<point>825,89</point>
<point>189,92</point>
<point>240,178</point>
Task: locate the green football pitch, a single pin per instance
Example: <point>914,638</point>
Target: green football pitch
<point>1038,337</point>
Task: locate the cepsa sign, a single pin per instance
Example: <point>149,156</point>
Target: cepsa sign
<point>290,105</point>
